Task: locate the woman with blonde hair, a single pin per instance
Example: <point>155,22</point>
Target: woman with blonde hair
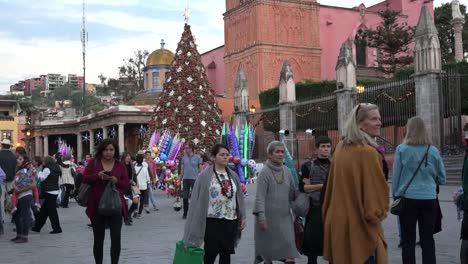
<point>356,196</point>
<point>417,170</point>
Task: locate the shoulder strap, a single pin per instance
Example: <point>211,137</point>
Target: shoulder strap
<point>416,172</point>
<point>139,170</point>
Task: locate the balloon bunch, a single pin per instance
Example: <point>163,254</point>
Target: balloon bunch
<point>240,141</point>
<point>165,149</point>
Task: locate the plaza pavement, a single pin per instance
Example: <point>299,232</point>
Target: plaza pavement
<point>152,238</point>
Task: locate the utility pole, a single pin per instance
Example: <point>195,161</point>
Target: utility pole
<point>84,43</point>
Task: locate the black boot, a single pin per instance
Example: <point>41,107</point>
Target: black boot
<point>186,207</point>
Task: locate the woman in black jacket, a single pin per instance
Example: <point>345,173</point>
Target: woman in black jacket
<point>49,177</point>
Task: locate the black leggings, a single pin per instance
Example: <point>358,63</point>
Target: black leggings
<point>210,258</point>
<point>99,231</point>
<point>66,196</point>
<point>143,200</point>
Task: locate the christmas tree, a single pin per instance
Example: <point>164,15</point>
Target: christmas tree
<point>187,105</point>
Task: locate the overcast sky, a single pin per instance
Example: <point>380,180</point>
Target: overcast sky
<point>40,37</point>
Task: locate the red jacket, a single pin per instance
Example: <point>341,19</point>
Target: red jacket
<point>90,176</point>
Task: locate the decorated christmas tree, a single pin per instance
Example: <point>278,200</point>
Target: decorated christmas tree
<point>187,105</point>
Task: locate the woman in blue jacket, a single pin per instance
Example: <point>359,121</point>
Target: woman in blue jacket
<point>420,195</point>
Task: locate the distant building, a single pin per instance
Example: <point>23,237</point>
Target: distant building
<point>53,81</point>
<point>34,83</point>
<point>75,80</point>
<point>9,121</point>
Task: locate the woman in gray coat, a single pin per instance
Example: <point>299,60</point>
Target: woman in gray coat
<point>274,230</point>
<point>217,213</point>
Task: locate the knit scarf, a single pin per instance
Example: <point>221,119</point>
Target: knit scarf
<point>277,170</point>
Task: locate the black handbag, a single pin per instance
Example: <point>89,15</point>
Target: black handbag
<point>399,202</point>
<point>110,203</point>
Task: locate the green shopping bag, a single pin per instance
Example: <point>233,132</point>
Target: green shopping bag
<point>184,255</point>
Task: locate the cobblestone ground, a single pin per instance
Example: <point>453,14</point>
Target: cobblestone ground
<point>152,238</point>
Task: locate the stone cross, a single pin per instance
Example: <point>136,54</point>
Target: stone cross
<point>458,19</point>
<point>428,68</point>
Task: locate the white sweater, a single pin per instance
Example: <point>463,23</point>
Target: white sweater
<point>143,177</point>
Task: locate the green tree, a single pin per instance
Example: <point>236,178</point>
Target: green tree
<point>133,69</point>
<point>443,22</point>
<point>392,40</point>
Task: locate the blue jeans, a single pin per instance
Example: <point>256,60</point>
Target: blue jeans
<point>23,216</point>
<point>150,195</point>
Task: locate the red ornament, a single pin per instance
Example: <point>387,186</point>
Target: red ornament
<point>237,160</point>
<point>243,188</point>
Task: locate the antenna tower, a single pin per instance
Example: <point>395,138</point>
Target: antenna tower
<point>84,43</point>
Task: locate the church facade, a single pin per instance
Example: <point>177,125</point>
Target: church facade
<point>260,35</point>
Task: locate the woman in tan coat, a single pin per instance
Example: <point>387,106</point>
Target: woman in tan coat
<point>356,199</point>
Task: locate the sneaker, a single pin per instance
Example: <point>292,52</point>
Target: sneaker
<point>135,215</point>
<point>184,216</point>
<point>90,225</point>
<point>14,239</point>
<point>21,240</point>
<point>155,209</point>
<point>38,205</point>
<point>127,223</point>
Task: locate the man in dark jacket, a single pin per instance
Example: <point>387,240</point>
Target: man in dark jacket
<point>8,164</point>
<point>314,174</point>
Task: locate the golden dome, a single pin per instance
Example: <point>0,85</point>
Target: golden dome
<point>161,56</point>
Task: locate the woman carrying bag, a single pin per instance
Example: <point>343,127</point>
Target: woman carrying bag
<point>103,170</point>
<point>217,213</point>
<point>417,170</point>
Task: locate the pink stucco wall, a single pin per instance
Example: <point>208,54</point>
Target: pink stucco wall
<point>215,76</point>
<point>338,25</point>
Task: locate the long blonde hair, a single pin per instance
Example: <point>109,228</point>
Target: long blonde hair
<point>416,132</point>
<point>353,134</point>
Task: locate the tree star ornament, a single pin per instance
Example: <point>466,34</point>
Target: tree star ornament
<point>190,107</point>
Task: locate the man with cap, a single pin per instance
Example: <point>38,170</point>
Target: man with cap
<point>8,164</point>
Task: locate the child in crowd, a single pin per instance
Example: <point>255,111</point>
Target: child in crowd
<point>23,180</point>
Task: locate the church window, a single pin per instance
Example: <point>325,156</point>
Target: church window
<point>361,46</point>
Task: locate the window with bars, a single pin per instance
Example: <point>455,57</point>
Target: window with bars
<point>6,134</point>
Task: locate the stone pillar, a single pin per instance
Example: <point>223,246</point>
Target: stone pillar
<point>121,137</point>
<point>79,147</point>
<point>91,142</point>
<point>458,19</point>
<point>457,26</point>
<point>287,99</point>
<point>37,146</point>
<point>428,69</point>
<point>346,85</point>
<point>241,99</point>
<point>46,145</point>
<point>104,132</point>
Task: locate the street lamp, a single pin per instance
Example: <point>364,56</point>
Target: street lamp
<point>252,109</point>
<point>28,133</point>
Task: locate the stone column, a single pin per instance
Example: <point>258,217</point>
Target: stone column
<point>91,142</point>
<point>428,68</point>
<point>104,132</point>
<point>121,137</point>
<point>346,85</point>
<point>458,19</point>
<point>241,99</point>
<point>37,146</point>
<point>79,147</point>
<point>287,100</point>
<point>46,145</point>
<point>457,26</point>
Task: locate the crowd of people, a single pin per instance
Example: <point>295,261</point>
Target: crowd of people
<point>347,196</point>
